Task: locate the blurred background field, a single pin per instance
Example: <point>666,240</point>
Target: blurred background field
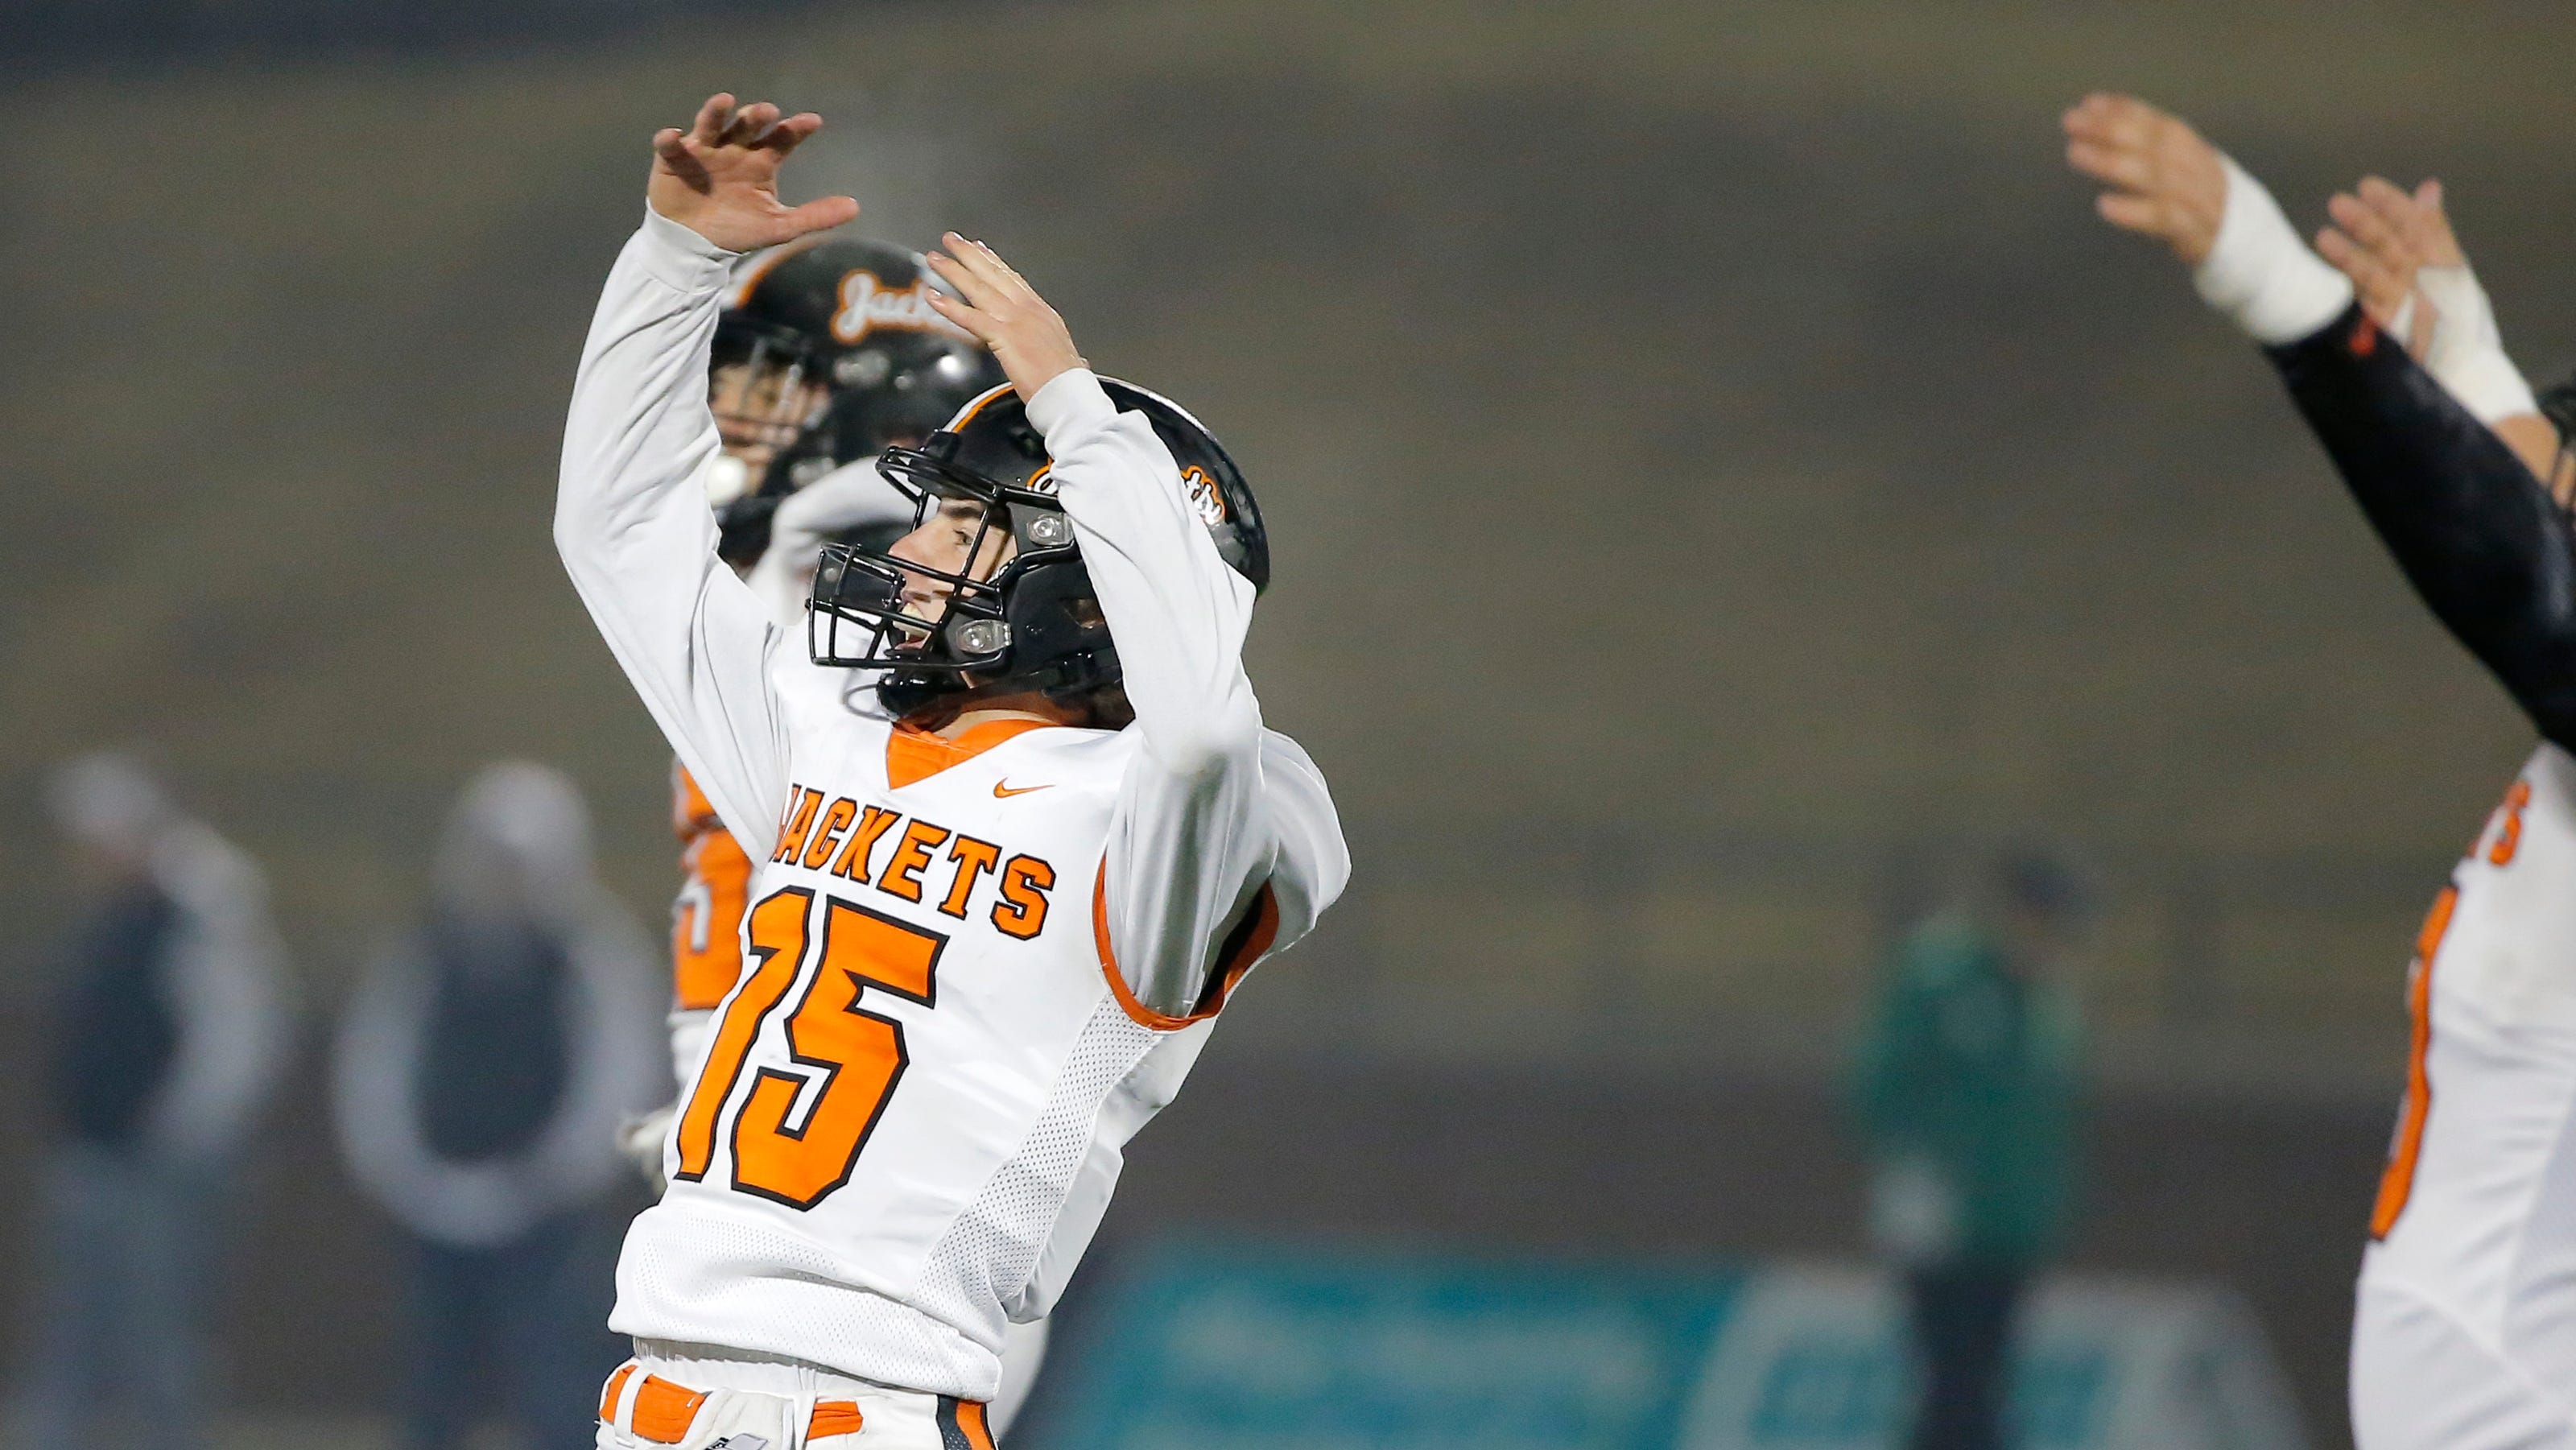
<point>1721,477</point>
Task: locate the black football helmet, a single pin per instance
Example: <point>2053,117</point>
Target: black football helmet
<point>1035,624</point>
<point>840,356</point>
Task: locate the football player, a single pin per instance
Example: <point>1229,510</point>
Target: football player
<point>1002,911</point>
<point>827,353</point>
<point>2464,1329</point>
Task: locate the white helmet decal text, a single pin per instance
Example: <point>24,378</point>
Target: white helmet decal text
<point>868,305</point>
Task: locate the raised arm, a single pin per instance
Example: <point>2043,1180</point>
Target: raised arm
<point>631,518</point>
<point>2479,537</point>
<point>2413,279</point>
<point>1225,844</point>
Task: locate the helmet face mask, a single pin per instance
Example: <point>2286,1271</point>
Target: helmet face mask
<point>1028,621</point>
<point>1018,592</point>
<point>764,385</point>
<point>764,395</point>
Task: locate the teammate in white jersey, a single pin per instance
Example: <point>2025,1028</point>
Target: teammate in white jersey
<point>2464,1330</point>
<point>998,922</point>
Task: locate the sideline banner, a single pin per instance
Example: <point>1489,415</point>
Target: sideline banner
<point>1208,1346</point>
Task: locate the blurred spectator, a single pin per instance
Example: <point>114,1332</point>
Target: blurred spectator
<point>164,1036</point>
<point>1966,1087</point>
<point>482,1070</point>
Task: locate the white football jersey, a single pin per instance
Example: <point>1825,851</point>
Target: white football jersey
<point>912,1109</point>
<point>2465,1330</point>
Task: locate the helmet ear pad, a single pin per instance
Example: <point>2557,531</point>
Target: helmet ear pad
<point>1055,616</point>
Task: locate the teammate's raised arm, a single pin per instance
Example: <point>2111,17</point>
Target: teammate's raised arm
<point>2415,282</point>
<point>2168,183</point>
<point>2481,540</point>
<point>2165,181</point>
<point>631,515</point>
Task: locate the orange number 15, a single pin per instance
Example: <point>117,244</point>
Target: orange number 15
<point>844,1057</point>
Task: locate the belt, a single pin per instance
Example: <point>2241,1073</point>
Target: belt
<point>664,1411</point>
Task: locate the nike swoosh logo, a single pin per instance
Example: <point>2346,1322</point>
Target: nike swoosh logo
<point>1003,790</point>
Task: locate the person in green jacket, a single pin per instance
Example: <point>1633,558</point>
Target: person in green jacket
<point>1966,1088</point>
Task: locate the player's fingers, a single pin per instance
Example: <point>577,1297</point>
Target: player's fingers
<point>2092,158</point>
<point>787,135</point>
<point>2382,290</point>
<point>823,213</point>
<point>740,130</point>
<point>2086,120</point>
<point>1010,280</point>
<point>2394,208</point>
<point>976,260</point>
<point>2419,225</point>
<point>2119,165</point>
<point>2132,122</point>
<point>751,123</point>
<point>2097,109</point>
<point>973,288</point>
<point>710,124</point>
<point>671,151</point>
<point>2131,212</point>
<point>2419,332</point>
<point>2112,121</point>
<point>2083,157</point>
<point>2370,227</point>
<point>2386,198</point>
<point>957,310</point>
<point>2441,244</point>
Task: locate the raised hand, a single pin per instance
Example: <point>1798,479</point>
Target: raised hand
<point>2398,248</point>
<point>719,178</point>
<point>1004,312</point>
<point>2380,238</point>
<point>2166,182</point>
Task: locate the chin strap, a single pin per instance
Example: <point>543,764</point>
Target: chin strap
<point>1076,682</point>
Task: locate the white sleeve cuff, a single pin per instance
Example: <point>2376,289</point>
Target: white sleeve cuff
<point>1071,399</point>
<point>2489,386</point>
<point>679,257</point>
<point>2467,356</point>
<point>2260,275</point>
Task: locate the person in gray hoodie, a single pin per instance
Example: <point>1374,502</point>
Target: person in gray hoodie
<point>482,1069</point>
